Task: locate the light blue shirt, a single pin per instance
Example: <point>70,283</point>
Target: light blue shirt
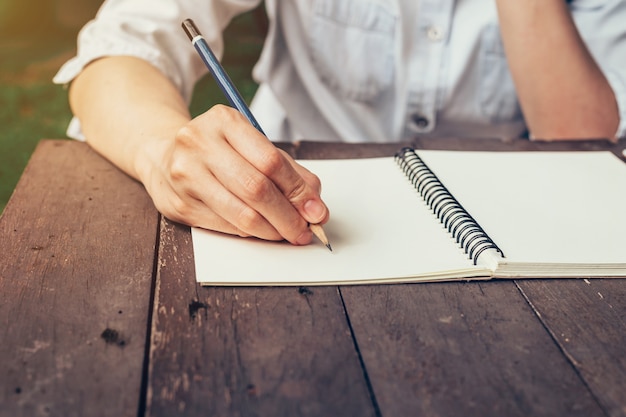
<point>357,70</point>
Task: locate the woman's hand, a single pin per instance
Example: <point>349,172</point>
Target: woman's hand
<point>220,173</point>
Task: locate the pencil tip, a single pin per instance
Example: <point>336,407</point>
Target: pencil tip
<point>319,232</point>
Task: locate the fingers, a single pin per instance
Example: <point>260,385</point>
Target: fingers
<point>299,186</point>
<point>266,179</point>
<point>262,198</point>
<point>266,185</point>
<point>215,207</point>
<point>199,197</point>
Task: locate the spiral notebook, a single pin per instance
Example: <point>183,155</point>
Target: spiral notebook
<point>444,215</point>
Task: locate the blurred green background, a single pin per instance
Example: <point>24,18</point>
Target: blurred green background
<point>37,37</point>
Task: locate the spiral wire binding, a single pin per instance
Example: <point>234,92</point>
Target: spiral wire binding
<point>459,223</point>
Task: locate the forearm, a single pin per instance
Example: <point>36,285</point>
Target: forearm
<point>127,110</point>
<point>561,89</point>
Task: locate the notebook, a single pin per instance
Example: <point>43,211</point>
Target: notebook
<point>444,215</point>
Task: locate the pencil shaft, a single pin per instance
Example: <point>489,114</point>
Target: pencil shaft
<point>219,74</point>
<point>319,232</point>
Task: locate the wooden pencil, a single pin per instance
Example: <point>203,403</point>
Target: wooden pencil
<point>319,232</point>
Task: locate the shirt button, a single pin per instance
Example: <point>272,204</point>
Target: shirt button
<point>420,121</point>
<point>434,33</point>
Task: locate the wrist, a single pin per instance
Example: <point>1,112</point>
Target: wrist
<point>150,156</point>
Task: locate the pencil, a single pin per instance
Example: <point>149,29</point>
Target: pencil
<point>319,232</point>
<point>232,94</point>
<point>218,72</point>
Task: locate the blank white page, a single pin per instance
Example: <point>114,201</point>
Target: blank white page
<point>542,207</point>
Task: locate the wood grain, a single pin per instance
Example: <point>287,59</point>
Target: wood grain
<point>436,349</point>
<point>248,351</point>
<point>587,318</point>
<point>77,242</point>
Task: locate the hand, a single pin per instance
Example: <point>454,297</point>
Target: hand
<point>220,173</point>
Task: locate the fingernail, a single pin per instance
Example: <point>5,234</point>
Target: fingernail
<point>305,238</point>
<point>314,210</point>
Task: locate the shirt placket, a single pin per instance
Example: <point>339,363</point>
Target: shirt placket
<point>425,70</point>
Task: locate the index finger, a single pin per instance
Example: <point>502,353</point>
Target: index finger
<point>303,193</point>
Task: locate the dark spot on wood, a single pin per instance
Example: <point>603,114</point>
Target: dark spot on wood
<point>113,337</point>
<point>109,335</point>
<point>251,390</point>
<point>194,306</point>
<point>90,199</point>
<point>18,390</point>
<point>119,312</point>
<point>304,291</point>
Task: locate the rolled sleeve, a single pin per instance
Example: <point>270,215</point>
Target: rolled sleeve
<point>93,46</point>
<point>152,31</point>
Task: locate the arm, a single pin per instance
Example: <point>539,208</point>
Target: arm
<point>216,171</point>
<point>562,91</point>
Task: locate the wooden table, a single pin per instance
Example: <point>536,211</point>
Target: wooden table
<point>100,315</point>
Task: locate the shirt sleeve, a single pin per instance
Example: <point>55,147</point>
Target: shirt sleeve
<point>151,30</point>
<point>601,25</point>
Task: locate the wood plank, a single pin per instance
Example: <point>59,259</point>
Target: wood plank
<point>588,320</point>
<point>326,150</point>
<point>323,150</point>
<point>437,349</point>
<point>500,145</point>
<point>248,351</point>
<point>78,242</point>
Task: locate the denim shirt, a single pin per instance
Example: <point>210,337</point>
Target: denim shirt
<point>356,70</point>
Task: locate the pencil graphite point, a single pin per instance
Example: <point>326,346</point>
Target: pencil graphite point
<point>319,232</point>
